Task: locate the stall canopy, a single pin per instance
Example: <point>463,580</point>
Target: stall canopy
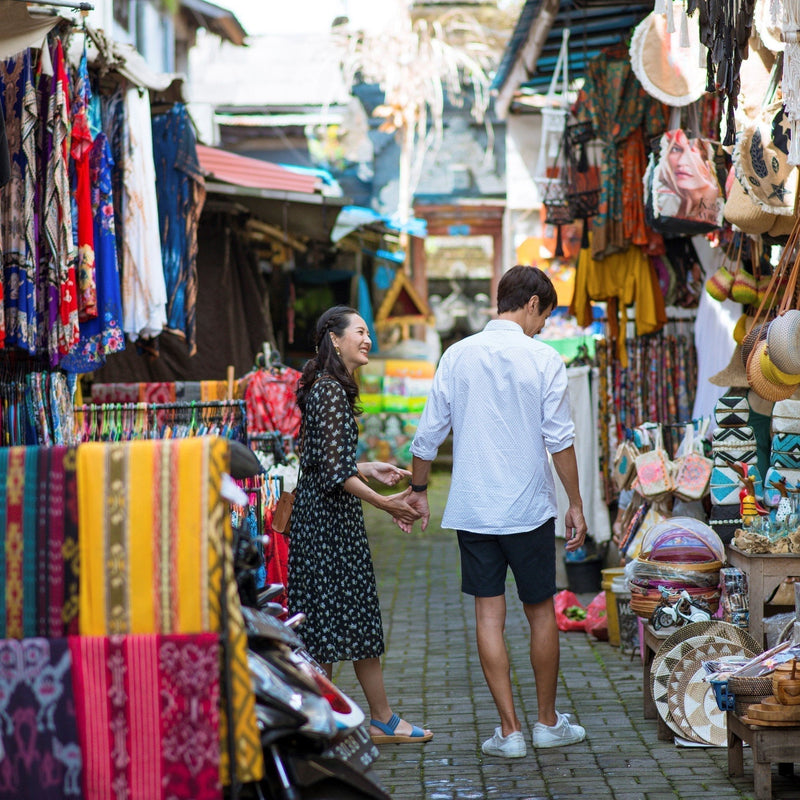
<point>530,56</point>
<point>290,200</point>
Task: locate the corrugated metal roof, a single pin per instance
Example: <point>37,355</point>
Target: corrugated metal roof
<point>518,38</point>
<point>253,173</point>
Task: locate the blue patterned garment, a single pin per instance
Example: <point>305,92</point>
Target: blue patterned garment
<point>103,334</point>
<point>180,188</point>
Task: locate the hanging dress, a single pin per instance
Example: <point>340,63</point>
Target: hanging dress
<point>102,335</point>
<point>331,577</point>
<point>17,206</point>
<point>181,193</point>
<point>80,150</point>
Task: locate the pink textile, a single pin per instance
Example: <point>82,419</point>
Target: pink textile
<point>148,715</point>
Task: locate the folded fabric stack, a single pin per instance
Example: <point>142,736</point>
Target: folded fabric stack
<point>677,554</point>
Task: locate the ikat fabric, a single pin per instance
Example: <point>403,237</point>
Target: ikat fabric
<point>271,398</point>
<point>147,712</point>
<point>40,755</point>
<point>155,553</point>
<point>38,542</point>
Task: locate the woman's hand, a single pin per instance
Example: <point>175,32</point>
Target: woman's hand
<point>387,474</point>
<point>398,507</point>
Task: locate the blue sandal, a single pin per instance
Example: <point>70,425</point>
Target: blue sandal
<point>389,736</point>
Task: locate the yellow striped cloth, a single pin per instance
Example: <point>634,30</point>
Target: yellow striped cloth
<point>156,558</point>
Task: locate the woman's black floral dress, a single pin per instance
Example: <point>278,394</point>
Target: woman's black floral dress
<point>331,577</point>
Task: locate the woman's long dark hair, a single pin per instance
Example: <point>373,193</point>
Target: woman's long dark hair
<point>335,320</point>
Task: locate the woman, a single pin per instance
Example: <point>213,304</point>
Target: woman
<point>686,181</point>
<point>331,577</point>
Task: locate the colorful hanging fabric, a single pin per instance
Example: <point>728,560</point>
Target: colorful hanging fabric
<point>38,542</point>
<point>19,314</point>
<point>58,250</point>
<point>80,150</point>
<point>271,398</point>
<point>155,554</point>
<point>40,754</point>
<point>181,194</point>
<point>147,710</point>
<point>102,335</point>
<point>613,100</point>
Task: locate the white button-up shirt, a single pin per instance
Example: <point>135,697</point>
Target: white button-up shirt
<point>504,395</point>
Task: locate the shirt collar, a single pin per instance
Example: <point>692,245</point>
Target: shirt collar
<point>503,325</point>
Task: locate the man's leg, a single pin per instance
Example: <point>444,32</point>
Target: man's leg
<point>544,656</point>
<point>490,620</point>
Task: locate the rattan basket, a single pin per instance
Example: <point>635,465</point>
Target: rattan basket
<point>749,690</point>
<point>644,602</point>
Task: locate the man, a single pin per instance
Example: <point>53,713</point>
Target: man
<point>504,395</point>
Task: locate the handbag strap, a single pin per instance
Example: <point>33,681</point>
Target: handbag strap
<point>562,66</point>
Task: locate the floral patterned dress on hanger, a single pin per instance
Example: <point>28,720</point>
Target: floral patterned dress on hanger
<point>331,577</point>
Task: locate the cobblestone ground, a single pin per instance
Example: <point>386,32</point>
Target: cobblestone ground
<point>434,680</point>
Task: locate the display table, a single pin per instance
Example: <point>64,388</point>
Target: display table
<point>653,639</point>
<point>770,746</point>
<point>765,572</point>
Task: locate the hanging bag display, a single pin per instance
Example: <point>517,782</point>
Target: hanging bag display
<point>653,469</point>
<point>682,193</point>
<point>624,469</point>
<point>694,469</point>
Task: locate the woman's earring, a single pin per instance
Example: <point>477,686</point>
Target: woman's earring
<point>338,351</point>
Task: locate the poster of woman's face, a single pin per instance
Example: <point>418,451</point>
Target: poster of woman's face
<point>685,181</point>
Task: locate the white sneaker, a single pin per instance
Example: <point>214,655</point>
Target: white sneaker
<point>511,746</point>
<point>563,732</point>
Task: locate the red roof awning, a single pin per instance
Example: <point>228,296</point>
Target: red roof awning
<point>252,172</point>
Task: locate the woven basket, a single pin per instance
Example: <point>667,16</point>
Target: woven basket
<point>748,691</point>
<point>643,604</point>
<point>759,382</point>
<point>783,340</point>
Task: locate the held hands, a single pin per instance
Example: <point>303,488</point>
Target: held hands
<point>576,528</point>
<point>387,474</point>
<point>418,501</point>
<point>401,510</point>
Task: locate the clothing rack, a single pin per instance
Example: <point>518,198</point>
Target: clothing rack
<point>188,404</point>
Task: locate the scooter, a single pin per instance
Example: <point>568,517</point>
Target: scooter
<point>315,741</point>
<point>685,610</point>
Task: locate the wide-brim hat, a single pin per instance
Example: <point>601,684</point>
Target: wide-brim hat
<point>759,383</point>
<point>734,374</point>
<point>667,71</point>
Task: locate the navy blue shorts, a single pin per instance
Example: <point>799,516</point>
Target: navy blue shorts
<point>485,559</point>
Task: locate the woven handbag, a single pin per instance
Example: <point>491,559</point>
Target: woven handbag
<point>786,416</point>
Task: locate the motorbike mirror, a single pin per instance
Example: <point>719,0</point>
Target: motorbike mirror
<point>244,462</point>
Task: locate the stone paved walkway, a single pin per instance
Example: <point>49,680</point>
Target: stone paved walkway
<point>434,679</point>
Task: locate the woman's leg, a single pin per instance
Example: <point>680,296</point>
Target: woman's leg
<point>370,675</point>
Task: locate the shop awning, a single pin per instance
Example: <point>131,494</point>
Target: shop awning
<point>220,165</point>
<point>215,19</point>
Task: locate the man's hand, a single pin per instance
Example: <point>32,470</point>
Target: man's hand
<point>418,501</point>
<point>576,528</point>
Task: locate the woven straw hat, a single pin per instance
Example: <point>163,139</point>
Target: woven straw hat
<point>759,404</point>
<point>734,374</point>
<point>773,373</point>
<point>743,325</point>
<point>784,341</point>
<point>667,71</point>
<point>757,333</point>
<point>759,383</point>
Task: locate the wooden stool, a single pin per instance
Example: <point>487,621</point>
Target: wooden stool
<point>770,746</point>
<point>652,641</point>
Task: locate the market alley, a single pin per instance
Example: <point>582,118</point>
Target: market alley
<point>434,679</point>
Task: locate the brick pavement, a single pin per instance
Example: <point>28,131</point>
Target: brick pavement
<point>434,679</point>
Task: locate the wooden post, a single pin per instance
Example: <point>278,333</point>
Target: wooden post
<point>231,370</point>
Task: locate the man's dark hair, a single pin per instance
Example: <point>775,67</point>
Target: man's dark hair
<point>519,284</point>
